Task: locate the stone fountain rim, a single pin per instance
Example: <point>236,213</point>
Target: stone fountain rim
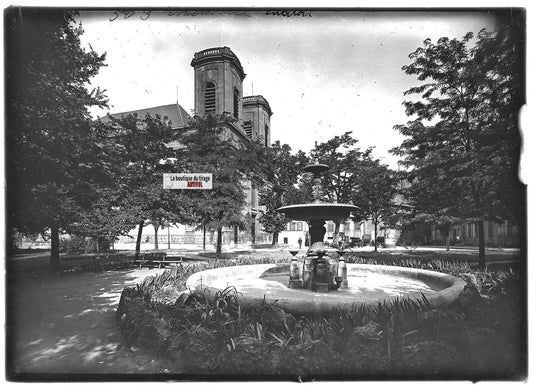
<point>318,303</point>
<point>304,205</point>
<point>314,166</point>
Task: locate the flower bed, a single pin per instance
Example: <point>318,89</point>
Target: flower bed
<point>476,338</point>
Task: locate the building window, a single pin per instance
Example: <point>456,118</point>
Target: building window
<point>503,229</point>
<point>266,135</point>
<point>210,98</point>
<point>248,129</point>
<point>300,226</point>
<point>236,103</point>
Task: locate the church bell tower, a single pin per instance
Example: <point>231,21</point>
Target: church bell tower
<point>218,77</point>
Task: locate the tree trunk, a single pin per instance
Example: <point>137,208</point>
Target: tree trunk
<point>253,230</point>
<point>219,241</point>
<point>138,243</point>
<point>156,236</point>
<point>447,240</point>
<point>376,236</point>
<point>275,236</point>
<point>55,262</point>
<point>205,229</point>
<point>481,239</point>
<point>236,235</point>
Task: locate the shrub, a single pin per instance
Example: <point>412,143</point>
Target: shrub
<point>76,245</point>
<point>400,338</point>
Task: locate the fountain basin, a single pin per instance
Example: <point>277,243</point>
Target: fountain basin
<point>368,284</point>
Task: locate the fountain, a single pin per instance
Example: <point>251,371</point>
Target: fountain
<point>319,273</point>
<point>319,282</point>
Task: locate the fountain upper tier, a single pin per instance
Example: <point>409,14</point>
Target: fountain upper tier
<point>315,168</point>
<point>317,210</point>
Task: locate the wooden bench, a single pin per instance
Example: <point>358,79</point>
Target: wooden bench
<point>159,259</point>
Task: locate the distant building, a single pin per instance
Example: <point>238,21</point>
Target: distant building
<point>497,234</point>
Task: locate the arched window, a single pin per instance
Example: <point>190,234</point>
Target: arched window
<point>235,102</point>
<point>266,135</point>
<point>209,98</point>
<point>248,129</point>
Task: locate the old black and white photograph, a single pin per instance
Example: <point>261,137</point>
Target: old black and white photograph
<point>265,194</point>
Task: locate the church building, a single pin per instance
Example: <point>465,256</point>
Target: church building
<point>218,89</point>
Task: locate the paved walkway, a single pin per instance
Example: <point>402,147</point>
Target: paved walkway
<point>66,324</point>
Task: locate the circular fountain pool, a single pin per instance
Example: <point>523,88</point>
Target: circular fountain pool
<point>368,284</point>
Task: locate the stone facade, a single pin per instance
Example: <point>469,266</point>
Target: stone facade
<point>256,119</point>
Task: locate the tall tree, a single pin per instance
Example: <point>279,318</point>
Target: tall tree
<point>339,153</point>
<point>104,220</point>
<point>52,154</point>
<point>171,207</point>
<point>344,158</point>
<point>144,157</point>
<point>208,146</point>
<point>375,193</point>
<point>280,170</point>
<point>464,139</point>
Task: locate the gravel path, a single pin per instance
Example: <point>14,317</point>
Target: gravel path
<point>65,324</point>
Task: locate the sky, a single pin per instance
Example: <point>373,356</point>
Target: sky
<point>323,74</point>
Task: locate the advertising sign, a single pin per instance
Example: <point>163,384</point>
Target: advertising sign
<point>187,181</point>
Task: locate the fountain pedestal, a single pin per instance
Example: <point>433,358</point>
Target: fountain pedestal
<point>317,230</point>
<point>308,280</point>
<point>321,276</point>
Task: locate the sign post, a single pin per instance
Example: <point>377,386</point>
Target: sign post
<point>187,181</point>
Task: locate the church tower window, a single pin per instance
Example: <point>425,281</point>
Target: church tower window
<point>235,102</point>
<point>266,135</point>
<point>248,129</point>
<point>209,98</point>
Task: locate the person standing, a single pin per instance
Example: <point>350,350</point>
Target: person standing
<point>300,242</point>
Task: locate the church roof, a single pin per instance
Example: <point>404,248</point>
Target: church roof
<point>177,115</point>
<point>215,54</point>
<point>252,100</point>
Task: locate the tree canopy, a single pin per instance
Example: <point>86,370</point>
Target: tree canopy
<point>343,157</point>
<point>280,169</point>
<point>342,180</point>
<point>208,146</point>
<point>53,163</point>
<point>375,194</point>
<point>142,157</point>
<point>461,150</point>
